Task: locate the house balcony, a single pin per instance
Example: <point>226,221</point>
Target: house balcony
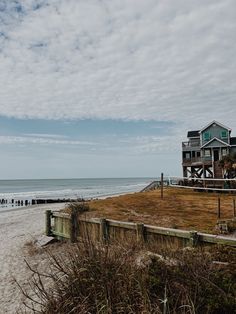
<point>194,161</point>
<point>191,145</point>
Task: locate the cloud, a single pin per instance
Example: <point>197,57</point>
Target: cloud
<point>41,140</point>
<point>160,60</point>
<point>44,135</point>
<point>107,144</point>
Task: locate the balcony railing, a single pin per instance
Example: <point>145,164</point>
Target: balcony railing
<point>191,144</point>
<point>195,159</point>
<point>207,158</point>
<point>198,159</point>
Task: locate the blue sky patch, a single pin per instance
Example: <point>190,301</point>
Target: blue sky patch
<point>83,128</point>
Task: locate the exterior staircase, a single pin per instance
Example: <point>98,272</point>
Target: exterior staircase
<point>155,185</point>
<point>152,186</point>
<point>217,170</point>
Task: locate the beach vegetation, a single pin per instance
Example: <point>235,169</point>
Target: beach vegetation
<point>94,278</point>
<point>77,207</point>
<point>180,208</point>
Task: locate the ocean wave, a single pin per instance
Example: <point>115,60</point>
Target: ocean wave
<point>84,189</point>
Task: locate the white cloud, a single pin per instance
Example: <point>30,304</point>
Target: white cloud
<point>109,144</point>
<point>41,140</point>
<point>44,135</point>
<point>121,59</point>
<point>157,144</point>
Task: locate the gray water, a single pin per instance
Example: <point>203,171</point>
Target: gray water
<point>68,188</point>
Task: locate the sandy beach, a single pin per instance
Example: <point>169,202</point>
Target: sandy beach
<point>17,228</point>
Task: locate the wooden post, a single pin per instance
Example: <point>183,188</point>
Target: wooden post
<point>218,209</point>
<point>48,227</point>
<point>234,208</point>
<point>140,232</point>
<point>193,239</point>
<point>73,226</point>
<point>162,176</point>
<point>103,231</point>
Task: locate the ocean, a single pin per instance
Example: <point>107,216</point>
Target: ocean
<point>67,188</point>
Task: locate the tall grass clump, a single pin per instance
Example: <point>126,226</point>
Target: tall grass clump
<point>77,207</point>
<point>127,278</point>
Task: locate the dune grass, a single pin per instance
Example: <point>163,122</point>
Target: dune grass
<point>180,208</point>
<point>95,278</point>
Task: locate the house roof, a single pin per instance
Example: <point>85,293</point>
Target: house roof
<point>207,126</point>
<point>193,134</point>
<point>233,141</point>
<point>215,139</point>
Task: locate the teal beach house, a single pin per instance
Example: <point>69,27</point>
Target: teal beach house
<point>205,149</point>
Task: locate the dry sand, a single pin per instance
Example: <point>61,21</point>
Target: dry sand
<point>17,228</point>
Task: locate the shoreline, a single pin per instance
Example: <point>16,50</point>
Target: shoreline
<point>6,209</point>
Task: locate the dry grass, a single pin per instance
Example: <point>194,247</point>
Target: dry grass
<point>115,279</point>
<point>31,248</point>
<point>180,208</point>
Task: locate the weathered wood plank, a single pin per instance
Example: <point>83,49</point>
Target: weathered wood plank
<point>120,224</point>
<point>90,220</point>
<point>62,235</point>
<point>61,215</point>
<point>48,226</point>
<point>168,231</point>
<point>215,239</point>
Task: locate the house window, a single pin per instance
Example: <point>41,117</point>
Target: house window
<point>198,154</point>
<point>207,153</point>
<point>224,134</point>
<point>188,156</point>
<point>224,151</point>
<point>207,136</point>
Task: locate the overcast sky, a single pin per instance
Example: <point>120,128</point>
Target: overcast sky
<point>101,88</point>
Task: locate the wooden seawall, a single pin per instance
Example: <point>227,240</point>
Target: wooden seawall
<point>68,226</point>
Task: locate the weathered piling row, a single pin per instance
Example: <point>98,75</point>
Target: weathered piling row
<point>27,202</point>
<point>15,202</point>
<point>4,201</point>
<point>59,200</point>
